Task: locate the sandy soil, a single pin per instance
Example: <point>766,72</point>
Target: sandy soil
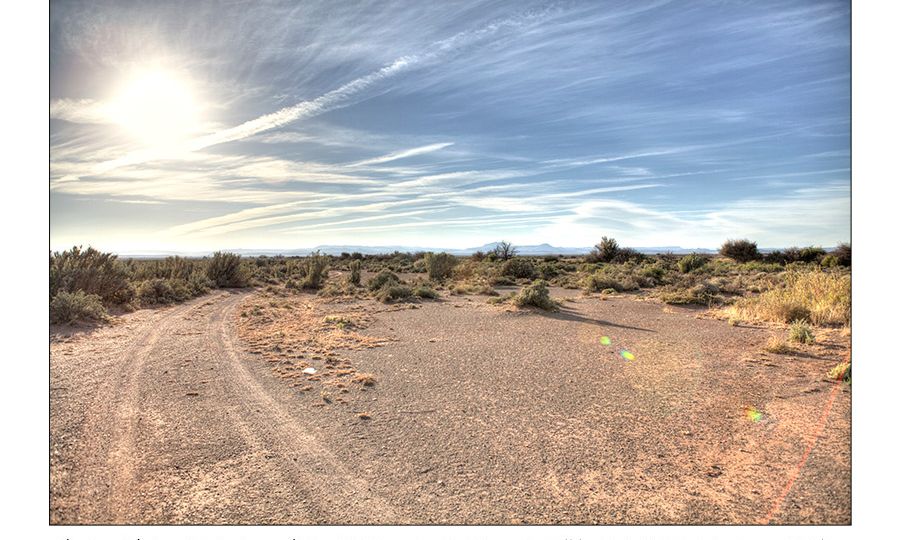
<point>479,414</point>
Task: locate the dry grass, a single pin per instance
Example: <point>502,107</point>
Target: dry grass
<point>823,298</point>
<point>296,332</point>
<point>778,345</point>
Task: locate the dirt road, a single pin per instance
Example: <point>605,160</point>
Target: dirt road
<point>480,415</point>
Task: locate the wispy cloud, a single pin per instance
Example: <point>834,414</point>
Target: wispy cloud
<point>401,154</point>
<point>451,123</point>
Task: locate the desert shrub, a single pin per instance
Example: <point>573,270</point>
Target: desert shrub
<point>518,268</point>
<point>383,279</point>
<point>655,272</point>
<point>599,281</point>
<point>759,266</point>
<point>537,295</point>
<point>478,256</point>
<point>842,254</point>
<point>624,255</point>
<point>501,281</point>
<point>227,270</point>
<point>691,262</point>
<point>355,273</point>
<point>504,251</point>
<point>314,269</point>
<point>393,293</point>
<point>424,292</point>
<point>91,271</point>
<point>801,332</point>
<point>162,291</point>
<point>811,254</point>
<point>548,271</point>
<point>740,250</point>
<point>823,298</point>
<point>439,265</point>
<point>67,307</point>
<point>829,261</point>
<point>605,251</point>
<point>199,283</point>
<point>701,294</point>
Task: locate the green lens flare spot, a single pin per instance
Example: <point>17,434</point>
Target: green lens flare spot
<point>605,341</point>
<point>627,355</point>
<point>753,414</point>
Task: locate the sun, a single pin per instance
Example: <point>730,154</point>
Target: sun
<point>156,107</point>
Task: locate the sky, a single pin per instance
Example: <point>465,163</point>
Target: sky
<point>197,125</point>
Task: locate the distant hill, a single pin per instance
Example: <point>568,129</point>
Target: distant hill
<point>531,250</point>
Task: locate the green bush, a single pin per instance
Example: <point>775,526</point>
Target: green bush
<point>383,279</point>
<point>842,254</point>
<point>537,295</point>
<point>355,274</point>
<point>314,269</point>
<point>518,268</point>
<point>801,332</point>
<point>393,293</point>
<point>605,251</point>
<point>156,291</point>
<point>439,265</point>
<point>424,292</point>
<point>548,270</point>
<point>227,270</point>
<point>691,262</point>
<point>740,250</point>
<point>67,307</point>
<point>90,271</point>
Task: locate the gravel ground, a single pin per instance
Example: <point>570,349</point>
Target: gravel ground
<point>481,414</point>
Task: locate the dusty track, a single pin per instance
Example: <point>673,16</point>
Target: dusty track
<point>479,416</point>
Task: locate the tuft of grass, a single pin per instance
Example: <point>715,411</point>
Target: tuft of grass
<point>537,295</point>
<point>69,307</point>
<point>801,333</point>
<point>777,345</point>
<point>822,298</point>
<point>424,292</point>
<point>840,372</point>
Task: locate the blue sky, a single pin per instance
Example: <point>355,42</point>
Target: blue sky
<point>200,126</point>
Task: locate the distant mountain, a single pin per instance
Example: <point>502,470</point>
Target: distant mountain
<point>533,250</point>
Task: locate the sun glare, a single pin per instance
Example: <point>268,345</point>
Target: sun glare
<point>156,107</point>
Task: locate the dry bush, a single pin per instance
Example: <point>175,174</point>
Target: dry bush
<point>383,279</point>
<point>227,270</point>
<point>68,307</point>
<point>823,298</point>
<point>740,250</point>
<point>355,274</point>
<point>439,265</point>
<point>777,345</point>
<point>537,295</point>
<point>91,271</point>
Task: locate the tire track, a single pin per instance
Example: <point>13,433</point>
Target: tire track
<point>332,493</point>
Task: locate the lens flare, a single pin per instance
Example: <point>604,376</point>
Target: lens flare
<point>627,355</point>
<point>605,341</point>
<point>753,414</point>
